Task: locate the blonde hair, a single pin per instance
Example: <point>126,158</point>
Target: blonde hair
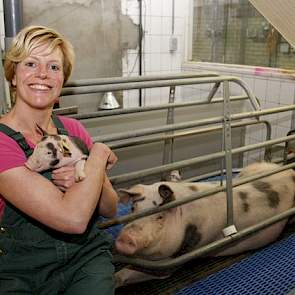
<point>30,38</point>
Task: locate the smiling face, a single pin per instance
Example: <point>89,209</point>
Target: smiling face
<point>39,77</point>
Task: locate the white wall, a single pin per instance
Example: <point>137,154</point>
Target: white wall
<point>157,58</point>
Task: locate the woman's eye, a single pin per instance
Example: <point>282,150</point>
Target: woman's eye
<point>30,64</point>
<point>55,67</point>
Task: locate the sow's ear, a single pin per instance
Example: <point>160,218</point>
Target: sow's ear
<point>166,193</point>
<point>125,195</point>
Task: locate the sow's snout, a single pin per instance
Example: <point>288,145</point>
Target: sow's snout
<point>126,244</point>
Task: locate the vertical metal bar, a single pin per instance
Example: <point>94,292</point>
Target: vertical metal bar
<point>228,158</point>
<point>140,37</point>
<point>13,18</point>
<point>4,101</point>
<point>169,143</point>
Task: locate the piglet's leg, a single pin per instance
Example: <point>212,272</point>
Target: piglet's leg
<point>79,171</point>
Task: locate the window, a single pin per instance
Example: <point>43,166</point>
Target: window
<point>234,32</point>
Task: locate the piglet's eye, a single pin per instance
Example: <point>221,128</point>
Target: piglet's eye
<point>49,153</point>
<point>159,217</point>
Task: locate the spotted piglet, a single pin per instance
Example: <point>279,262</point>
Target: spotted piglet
<point>54,151</point>
<point>178,230</point>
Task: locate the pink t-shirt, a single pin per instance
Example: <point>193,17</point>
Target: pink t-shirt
<point>11,155</point>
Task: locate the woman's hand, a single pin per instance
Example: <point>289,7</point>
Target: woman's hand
<point>64,177</point>
<point>105,152</point>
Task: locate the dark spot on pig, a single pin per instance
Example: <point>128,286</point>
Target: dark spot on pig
<point>166,193</point>
<point>191,239</point>
<point>193,188</point>
<point>272,196</point>
<point>244,197</point>
<point>80,144</point>
<point>246,207</point>
<point>261,186</point>
<point>56,137</point>
<point>54,162</point>
<point>293,178</point>
<point>51,147</point>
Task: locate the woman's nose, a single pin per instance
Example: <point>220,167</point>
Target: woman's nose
<point>42,71</point>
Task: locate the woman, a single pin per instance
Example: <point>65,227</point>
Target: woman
<point>49,243</point>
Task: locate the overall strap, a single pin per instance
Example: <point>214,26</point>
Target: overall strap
<point>59,125</point>
<point>18,137</point>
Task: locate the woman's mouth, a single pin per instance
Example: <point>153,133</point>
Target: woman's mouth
<point>40,86</point>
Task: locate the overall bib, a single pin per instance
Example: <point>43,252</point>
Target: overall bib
<point>35,259</point>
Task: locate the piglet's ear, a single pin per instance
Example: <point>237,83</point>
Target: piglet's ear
<point>40,130</point>
<point>166,193</point>
<point>125,195</point>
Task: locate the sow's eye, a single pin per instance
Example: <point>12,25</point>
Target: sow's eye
<point>160,217</point>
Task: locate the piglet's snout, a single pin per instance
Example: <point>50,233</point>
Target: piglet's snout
<point>126,244</point>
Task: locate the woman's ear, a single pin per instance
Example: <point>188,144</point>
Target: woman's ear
<point>13,81</point>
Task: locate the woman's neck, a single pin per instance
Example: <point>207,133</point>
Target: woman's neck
<point>24,121</point>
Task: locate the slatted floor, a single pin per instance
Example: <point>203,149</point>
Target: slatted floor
<point>270,271</point>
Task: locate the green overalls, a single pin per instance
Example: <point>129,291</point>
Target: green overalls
<point>35,259</point>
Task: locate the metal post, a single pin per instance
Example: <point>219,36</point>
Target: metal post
<point>230,229</point>
<point>13,18</point>
<point>168,143</point>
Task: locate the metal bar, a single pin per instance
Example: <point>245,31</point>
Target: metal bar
<point>189,124</point>
<point>115,80</point>
<point>137,141</point>
<point>228,153</point>
<point>207,175</point>
<point>154,84</point>
<point>168,142</point>
<point>165,83</point>
<point>213,91</point>
<point>168,263</point>
<point>66,110</point>
<point>190,198</point>
<point>151,108</point>
<point>140,41</point>
<point>180,164</point>
<point>13,17</point>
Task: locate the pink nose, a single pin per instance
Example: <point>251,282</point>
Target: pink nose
<point>125,244</point>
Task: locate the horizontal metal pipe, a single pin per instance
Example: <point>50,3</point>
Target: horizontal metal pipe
<point>180,164</point>
<point>66,110</point>
<point>137,141</point>
<point>163,83</point>
<point>115,80</point>
<point>145,84</point>
<point>202,251</point>
<point>208,175</point>
<point>190,124</point>
<point>132,110</point>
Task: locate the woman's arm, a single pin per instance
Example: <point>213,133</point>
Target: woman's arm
<point>108,202</point>
<point>70,211</point>
<point>64,178</point>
